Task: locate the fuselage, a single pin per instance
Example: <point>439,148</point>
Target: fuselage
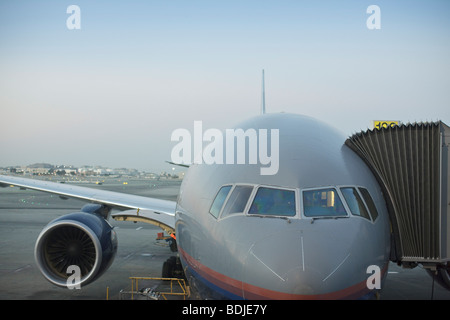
<point>310,231</point>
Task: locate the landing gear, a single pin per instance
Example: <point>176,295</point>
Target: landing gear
<point>173,245</point>
<point>172,268</point>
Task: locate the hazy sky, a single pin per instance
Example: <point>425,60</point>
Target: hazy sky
<point>112,92</point>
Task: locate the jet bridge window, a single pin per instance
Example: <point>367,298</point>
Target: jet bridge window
<point>322,203</point>
<point>355,202</point>
<point>219,200</point>
<point>275,202</point>
<point>237,201</point>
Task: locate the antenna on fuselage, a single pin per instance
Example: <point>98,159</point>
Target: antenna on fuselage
<point>263,98</point>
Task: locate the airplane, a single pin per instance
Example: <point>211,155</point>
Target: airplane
<point>308,232</point>
<point>316,228</point>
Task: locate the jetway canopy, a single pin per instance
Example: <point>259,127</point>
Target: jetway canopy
<point>411,163</point>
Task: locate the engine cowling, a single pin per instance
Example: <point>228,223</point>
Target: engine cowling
<point>81,239</point>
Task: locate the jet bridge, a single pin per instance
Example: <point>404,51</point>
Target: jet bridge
<point>411,163</point>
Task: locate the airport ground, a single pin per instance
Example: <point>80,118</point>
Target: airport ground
<point>24,213</point>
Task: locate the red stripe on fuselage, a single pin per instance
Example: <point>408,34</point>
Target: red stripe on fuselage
<point>252,292</point>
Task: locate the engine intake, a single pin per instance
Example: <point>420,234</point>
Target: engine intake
<point>78,239</point>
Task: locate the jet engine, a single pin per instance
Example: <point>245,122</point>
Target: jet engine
<point>83,241</point>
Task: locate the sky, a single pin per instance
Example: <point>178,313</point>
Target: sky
<point>112,92</point>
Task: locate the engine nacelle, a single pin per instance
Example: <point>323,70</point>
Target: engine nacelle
<point>82,239</point>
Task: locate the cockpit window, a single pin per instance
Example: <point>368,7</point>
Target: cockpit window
<point>237,201</point>
<point>275,202</point>
<point>219,200</point>
<point>322,203</point>
<point>355,202</point>
<point>369,201</point>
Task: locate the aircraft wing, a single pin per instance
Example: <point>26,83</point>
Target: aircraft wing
<point>134,208</point>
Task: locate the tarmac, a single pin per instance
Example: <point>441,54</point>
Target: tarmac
<point>24,213</point>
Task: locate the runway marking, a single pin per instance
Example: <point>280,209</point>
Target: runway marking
<point>128,256</point>
<point>138,228</point>
<point>23,268</point>
<point>146,254</point>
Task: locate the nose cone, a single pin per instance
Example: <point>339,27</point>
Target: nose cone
<point>275,268</point>
<point>318,263</point>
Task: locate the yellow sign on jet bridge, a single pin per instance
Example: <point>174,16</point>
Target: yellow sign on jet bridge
<point>378,124</point>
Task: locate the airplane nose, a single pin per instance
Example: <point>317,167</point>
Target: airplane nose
<point>276,262</point>
<point>301,265</point>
